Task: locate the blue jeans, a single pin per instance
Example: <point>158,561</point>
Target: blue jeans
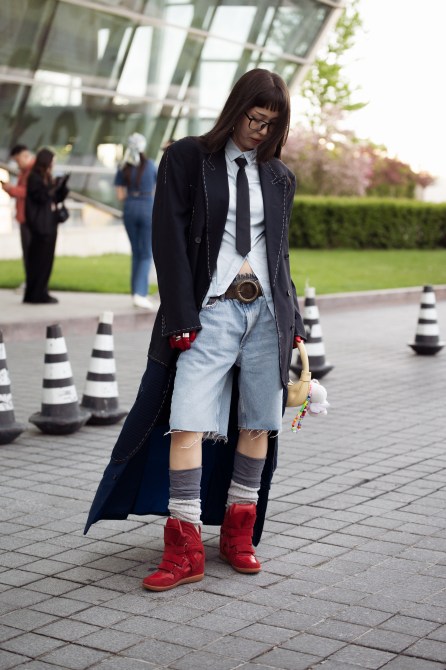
<point>138,224</point>
<point>238,334</point>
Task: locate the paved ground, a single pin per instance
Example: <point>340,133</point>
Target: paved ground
<point>353,553</point>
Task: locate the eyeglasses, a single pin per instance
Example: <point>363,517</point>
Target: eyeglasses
<point>257,124</point>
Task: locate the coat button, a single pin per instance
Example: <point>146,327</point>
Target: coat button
<point>198,240</point>
<point>288,292</point>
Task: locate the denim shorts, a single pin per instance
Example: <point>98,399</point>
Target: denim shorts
<point>233,333</point>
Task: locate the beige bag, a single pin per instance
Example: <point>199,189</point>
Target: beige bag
<point>298,391</point>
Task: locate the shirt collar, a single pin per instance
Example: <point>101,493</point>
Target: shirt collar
<point>232,152</point>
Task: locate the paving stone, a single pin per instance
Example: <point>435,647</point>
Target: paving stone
<point>161,654</point>
<point>338,630</point>
<point>362,656</point>
<point>67,629</point>
<point>74,656</point>
<point>8,632</point>
<point>313,644</point>
<point>410,626</point>
<point>10,660</point>
<point>271,634</point>
<point>109,640</point>
<point>429,649</point>
<point>410,663</point>
<point>121,663</point>
<point>222,624</point>
<point>59,606</point>
<point>285,659</point>
<point>387,640</point>
<point>188,636</point>
<point>34,645</point>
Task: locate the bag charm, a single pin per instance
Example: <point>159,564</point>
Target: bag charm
<point>309,396</point>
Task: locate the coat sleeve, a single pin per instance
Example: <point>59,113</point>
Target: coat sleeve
<point>172,214</point>
<point>299,328</point>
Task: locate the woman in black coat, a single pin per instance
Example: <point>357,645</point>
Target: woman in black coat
<point>42,194</point>
<point>222,341</point>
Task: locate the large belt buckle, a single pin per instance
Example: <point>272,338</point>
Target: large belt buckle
<point>253,286</point>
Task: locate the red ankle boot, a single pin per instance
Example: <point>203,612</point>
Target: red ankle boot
<point>236,538</point>
<point>183,557</point>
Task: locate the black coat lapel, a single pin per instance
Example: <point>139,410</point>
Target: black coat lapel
<point>274,189</point>
<point>216,201</point>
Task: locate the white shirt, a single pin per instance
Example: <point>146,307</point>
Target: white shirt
<point>229,260</point>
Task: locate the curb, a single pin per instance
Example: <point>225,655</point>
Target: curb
<point>381,298</point>
<point>20,331</point>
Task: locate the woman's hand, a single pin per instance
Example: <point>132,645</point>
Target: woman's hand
<point>183,341</point>
<point>297,339</point>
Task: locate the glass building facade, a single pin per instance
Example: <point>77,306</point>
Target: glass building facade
<point>81,75</point>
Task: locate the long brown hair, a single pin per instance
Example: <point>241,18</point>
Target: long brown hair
<point>256,88</point>
<point>127,172</point>
<point>42,164</point>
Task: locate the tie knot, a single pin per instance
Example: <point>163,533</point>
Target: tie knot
<point>241,161</point>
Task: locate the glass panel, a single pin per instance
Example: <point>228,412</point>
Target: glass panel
<point>295,26</point>
<point>81,80</point>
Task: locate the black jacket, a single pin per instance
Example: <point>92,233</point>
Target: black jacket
<point>39,203</point>
<point>189,217</point>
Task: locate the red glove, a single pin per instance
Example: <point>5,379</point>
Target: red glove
<point>296,340</point>
<point>182,341</point>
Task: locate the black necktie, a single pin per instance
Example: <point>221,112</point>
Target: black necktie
<point>242,214</point>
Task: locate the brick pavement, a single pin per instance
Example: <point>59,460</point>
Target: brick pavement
<point>353,552</point>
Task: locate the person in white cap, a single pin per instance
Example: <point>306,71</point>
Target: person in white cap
<point>135,185</point>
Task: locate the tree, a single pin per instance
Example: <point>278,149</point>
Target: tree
<point>325,87</point>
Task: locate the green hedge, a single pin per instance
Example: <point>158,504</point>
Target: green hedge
<point>367,223</point>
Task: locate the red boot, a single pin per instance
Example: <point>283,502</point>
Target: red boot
<point>236,538</point>
<point>183,557</point>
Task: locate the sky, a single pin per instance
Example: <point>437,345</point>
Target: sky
<point>399,61</point>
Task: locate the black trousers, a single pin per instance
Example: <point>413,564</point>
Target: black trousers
<point>25,239</point>
<point>39,266</point>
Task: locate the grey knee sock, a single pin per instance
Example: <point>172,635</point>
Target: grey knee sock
<point>245,482</point>
<point>184,495</point>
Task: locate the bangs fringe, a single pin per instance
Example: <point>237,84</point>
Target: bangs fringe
<point>272,99</point>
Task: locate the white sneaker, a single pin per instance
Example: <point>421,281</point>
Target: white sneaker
<point>143,302</point>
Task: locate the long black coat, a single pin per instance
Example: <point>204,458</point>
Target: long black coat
<point>189,216</point>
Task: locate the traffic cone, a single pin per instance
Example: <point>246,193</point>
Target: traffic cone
<point>314,344</point>
<point>427,334</point>
<point>60,413</point>
<point>9,428</point>
<point>101,388</point>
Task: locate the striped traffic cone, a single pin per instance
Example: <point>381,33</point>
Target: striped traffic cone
<point>427,334</point>
<point>9,428</point>
<point>314,344</point>
<point>60,413</point>
<point>101,388</point>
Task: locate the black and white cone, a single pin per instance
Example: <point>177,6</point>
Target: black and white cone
<point>101,388</point>
<point>427,334</point>
<point>60,413</point>
<point>315,343</point>
<point>9,428</point>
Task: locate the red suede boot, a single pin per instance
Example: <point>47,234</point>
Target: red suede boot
<point>236,538</point>
<point>183,557</point>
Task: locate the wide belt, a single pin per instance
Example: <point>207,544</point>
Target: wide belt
<point>245,290</point>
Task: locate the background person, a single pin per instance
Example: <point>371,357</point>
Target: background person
<point>25,160</point>
<point>43,192</point>
<point>135,185</point>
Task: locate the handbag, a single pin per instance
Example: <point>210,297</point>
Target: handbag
<point>61,213</point>
<point>298,391</point>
